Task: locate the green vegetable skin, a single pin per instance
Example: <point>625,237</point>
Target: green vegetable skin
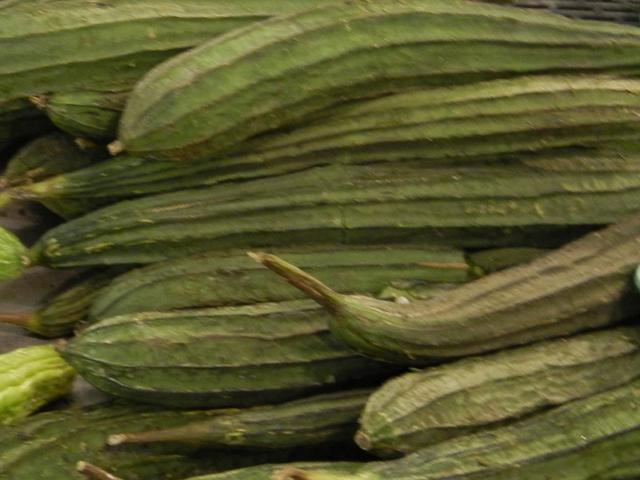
<point>418,409</point>
<point>536,202</point>
<point>344,52</point>
<point>85,114</point>
<point>321,419</point>
<point>66,307</point>
<point>231,356</point>
<point>124,39</point>
<point>47,156</point>
<point>505,118</point>
<point>583,285</point>
<point>47,446</point>
<point>445,125</point>
<point>231,278</point>
<point>586,439</point>
<point>31,377</point>
<point>13,255</point>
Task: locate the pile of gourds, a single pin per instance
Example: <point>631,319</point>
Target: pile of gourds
<point>449,189</point>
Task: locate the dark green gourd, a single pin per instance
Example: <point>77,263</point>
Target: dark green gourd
<point>583,285</point>
<point>228,356</point>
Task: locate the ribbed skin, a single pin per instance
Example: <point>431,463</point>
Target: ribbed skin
<point>593,438</point>
<point>68,306</point>
<point>48,445</point>
<point>232,278</point>
<point>321,419</point>
<point>120,40</point>
<point>13,255</point>
<point>87,114</point>
<point>49,155</point>
<point>523,204</point>
<point>453,125</point>
<point>31,377</point>
<point>422,408</point>
<point>233,356</point>
<point>258,79</point>
<point>583,285</point>
<point>499,117</point>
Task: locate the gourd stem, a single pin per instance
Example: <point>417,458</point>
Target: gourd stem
<point>115,147</point>
<point>20,319</point>
<point>311,286</point>
<point>293,473</point>
<point>39,101</point>
<point>94,473</point>
<point>176,434</point>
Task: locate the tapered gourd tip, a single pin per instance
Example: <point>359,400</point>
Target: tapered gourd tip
<point>85,143</point>
<point>21,319</point>
<point>291,473</point>
<point>13,256</point>
<point>115,147</point>
<point>309,285</point>
<point>40,101</point>
<point>93,472</point>
<point>362,440</point>
<point>116,439</point>
<point>6,196</point>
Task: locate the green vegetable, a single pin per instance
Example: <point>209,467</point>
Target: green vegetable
<point>583,285</point>
<point>285,70</point>
<point>121,41</point>
<point>46,156</point>
<point>533,203</point>
<point>231,278</point>
<point>219,357</point>
<point>593,438</point>
<point>31,377</point>
<point>85,114</point>
<point>418,409</point>
<point>66,307</point>
<point>322,419</point>
<point>49,445</point>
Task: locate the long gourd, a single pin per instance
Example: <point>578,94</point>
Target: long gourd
<point>418,409</point>
<point>122,40</point>
<point>229,356</point>
<point>309,61</point>
<point>31,377</point>
<point>526,204</point>
<point>585,439</point>
<point>583,285</point>
<point>48,445</point>
<point>66,307</point>
<point>479,123</point>
<point>329,419</point>
<point>230,278</point>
